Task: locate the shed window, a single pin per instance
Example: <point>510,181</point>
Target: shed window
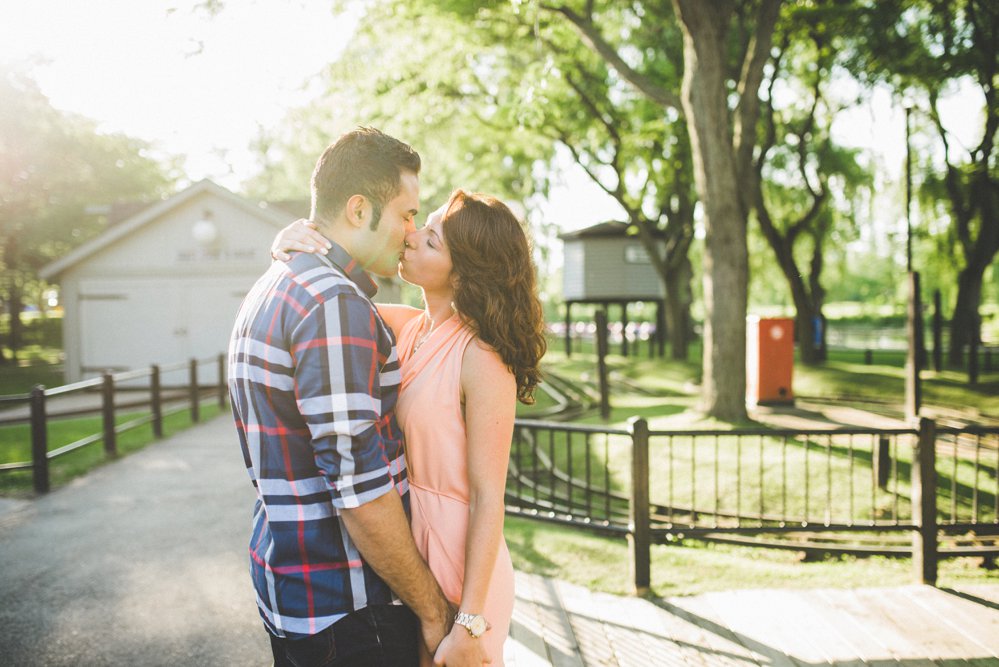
<point>635,253</point>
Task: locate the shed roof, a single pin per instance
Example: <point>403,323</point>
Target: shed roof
<point>609,229</point>
<point>113,233</point>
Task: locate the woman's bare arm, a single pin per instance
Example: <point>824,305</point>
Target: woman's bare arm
<point>301,236</point>
<point>490,393</point>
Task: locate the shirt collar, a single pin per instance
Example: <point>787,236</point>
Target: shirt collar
<point>341,259</point>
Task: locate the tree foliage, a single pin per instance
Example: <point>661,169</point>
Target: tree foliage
<point>923,49</point>
<point>53,166</point>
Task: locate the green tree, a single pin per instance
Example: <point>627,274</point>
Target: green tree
<point>53,166</point>
<point>622,140</point>
<point>923,48</point>
<point>796,162</point>
<point>460,106</point>
<point>725,47</point>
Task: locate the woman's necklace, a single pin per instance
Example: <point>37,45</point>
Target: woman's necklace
<point>430,328</point>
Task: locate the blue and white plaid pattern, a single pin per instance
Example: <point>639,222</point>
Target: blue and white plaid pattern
<point>314,378</point>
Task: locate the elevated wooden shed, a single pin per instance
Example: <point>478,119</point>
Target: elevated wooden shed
<point>604,265</point>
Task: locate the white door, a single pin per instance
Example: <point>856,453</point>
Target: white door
<point>127,324</point>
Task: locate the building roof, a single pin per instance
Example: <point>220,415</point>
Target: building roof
<point>609,229</point>
<point>151,212</point>
<point>299,208</point>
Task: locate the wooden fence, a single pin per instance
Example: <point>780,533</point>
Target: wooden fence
<point>916,492</point>
<point>161,402</point>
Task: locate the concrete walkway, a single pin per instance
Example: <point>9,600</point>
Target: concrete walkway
<point>143,562</point>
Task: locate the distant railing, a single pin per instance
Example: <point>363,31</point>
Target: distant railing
<point>764,487</point>
<point>162,402</point>
<point>893,342</point>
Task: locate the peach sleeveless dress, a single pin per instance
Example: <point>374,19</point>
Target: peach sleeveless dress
<point>430,413</point>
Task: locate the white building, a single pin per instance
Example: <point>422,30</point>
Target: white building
<point>164,285</point>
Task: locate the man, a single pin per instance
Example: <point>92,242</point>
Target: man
<point>314,377</point>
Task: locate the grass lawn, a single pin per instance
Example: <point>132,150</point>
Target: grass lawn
<point>601,563</point>
<point>39,366</point>
<point>15,445</point>
<point>670,386</point>
<point>665,393</point>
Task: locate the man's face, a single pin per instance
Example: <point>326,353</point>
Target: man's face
<point>379,249</point>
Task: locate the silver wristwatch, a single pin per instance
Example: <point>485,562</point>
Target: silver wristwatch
<point>476,624</point>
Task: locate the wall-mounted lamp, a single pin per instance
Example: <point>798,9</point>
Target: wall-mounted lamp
<point>204,231</point>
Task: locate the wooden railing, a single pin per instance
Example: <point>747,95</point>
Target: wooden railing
<point>851,490</point>
<point>161,402</point>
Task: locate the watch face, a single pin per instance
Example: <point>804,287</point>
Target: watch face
<point>477,626</point>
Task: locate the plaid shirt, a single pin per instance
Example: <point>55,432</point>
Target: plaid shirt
<point>313,378</point>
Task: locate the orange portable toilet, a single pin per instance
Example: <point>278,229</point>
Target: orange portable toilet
<point>769,360</point>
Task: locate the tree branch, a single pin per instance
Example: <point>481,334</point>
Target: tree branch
<point>747,110</point>
<point>591,36</point>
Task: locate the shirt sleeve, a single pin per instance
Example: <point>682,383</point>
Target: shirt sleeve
<point>337,389</point>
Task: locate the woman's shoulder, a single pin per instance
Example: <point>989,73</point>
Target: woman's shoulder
<point>482,362</point>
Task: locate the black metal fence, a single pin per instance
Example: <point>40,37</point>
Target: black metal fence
<point>161,401</point>
<point>913,491</point>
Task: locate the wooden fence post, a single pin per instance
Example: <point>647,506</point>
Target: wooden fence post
<point>223,387</point>
<point>915,354</point>
<point>639,533</point>
<point>568,329</point>
<point>601,321</point>
<point>937,332</point>
<point>39,440</point>
<point>624,329</point>
<point>924,504</point>
<point>661,328</point>
<point>193,391</point>
<point>107,414</point>
<point>973,344</point>
<point>157,401</point>
<point>882,461</point>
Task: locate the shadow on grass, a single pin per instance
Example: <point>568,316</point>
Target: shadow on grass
<point>520,539</point>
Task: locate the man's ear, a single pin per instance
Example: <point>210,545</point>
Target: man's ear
<point>357,210</point>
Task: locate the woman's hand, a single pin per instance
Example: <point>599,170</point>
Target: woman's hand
<point>301,235</point>
<point>460,649</point>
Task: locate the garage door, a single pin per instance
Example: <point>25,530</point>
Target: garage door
<point>136,323</point>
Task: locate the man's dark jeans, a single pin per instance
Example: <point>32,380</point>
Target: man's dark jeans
<point>379,636</point>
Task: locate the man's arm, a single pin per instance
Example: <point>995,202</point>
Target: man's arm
<point>381,533</point>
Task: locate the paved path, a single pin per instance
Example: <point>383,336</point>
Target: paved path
<point>142,562</point>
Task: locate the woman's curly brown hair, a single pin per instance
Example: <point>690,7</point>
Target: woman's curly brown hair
<point>495,285</point>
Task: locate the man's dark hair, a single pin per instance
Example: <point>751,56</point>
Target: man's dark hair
<point>365,162</point>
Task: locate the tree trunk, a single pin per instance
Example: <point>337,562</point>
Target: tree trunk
<point>965,321</point>
<point>678,300</point>
<point>804,326</point>
<point>726,273</point>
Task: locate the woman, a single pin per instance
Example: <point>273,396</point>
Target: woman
<point>467,357</point>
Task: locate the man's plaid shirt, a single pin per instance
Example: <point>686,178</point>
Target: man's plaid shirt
<point>314,378</point>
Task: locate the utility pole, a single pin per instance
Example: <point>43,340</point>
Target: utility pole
<point>914,320</point>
